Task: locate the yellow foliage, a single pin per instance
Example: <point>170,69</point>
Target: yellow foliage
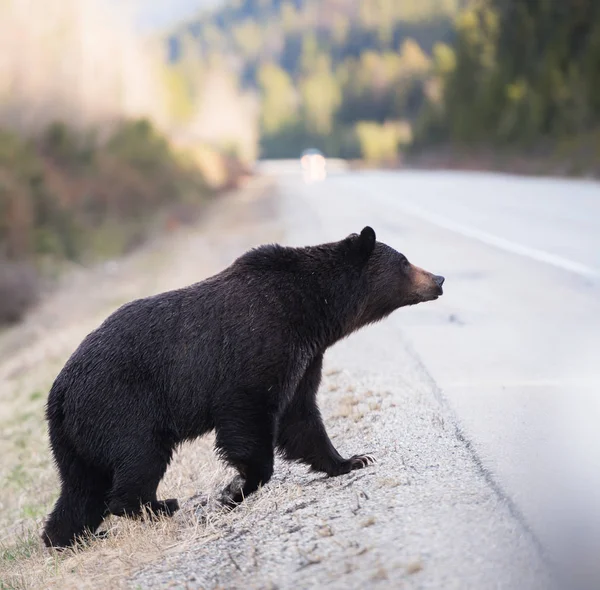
<point>321,99</point>
<point>516,91</point>
<point>380,143</point>
<point>278,98</point>
<point>413,58</point>
<point>180,104</point>
<point>445,58</point>
<point>249,38</point>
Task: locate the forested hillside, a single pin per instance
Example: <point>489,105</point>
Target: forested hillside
<point>527,71</point>
<point>363,78</point>
<point>349,77</point>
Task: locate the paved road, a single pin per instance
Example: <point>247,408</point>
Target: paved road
<point>513,346</point>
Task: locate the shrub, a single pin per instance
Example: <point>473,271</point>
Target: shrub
<point>138,144</point>
<point>66,148</point>
<point>66,197</point>
<point>19,287</point>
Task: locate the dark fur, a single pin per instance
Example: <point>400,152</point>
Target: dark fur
<point>240,352</point>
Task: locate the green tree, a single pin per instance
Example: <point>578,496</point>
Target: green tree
<point>278,102</point>
<point>522,71</point>
<point>321,97</point>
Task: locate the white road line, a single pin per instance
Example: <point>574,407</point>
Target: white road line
<point>502,243</point>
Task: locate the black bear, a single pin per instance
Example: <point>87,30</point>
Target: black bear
<point>239,353</point>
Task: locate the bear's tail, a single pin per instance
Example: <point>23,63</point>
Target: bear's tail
<point>81,505</point>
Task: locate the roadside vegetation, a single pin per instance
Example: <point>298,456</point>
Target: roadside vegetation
<point>65,199</point>
<point>89,167</point>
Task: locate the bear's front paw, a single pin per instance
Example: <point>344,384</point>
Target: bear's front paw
<point>355,462</point>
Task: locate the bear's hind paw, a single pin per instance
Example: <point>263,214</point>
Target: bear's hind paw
<point>170,506</point>
<point>159,508</point>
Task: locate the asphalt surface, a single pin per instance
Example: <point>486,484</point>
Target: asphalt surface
<point>513,346</point>
<point>481,408</point>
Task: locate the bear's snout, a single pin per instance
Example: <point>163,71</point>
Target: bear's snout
<point>427,285</point>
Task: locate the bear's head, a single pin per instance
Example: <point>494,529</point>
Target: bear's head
<point>389,280</point>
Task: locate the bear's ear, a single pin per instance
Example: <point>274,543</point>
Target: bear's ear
<point>364,243</point>
<point>367,239</point>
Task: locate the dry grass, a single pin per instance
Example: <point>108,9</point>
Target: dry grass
<point>380,574</point>
<point>29,488</point>
<point>370,521</point>
<point>355,404</point>
<point>28,481</point>
<point>129,545</point>
<point>414,567</point>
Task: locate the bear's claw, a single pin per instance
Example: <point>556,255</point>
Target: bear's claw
<point>361,461</point>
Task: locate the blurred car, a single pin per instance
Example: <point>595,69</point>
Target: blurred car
<point>313,165</point>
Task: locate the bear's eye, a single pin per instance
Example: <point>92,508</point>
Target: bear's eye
<point>405,264</point>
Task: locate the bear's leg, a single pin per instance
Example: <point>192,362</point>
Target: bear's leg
<point>302,436</point>
<point>135,484</point>
<point>81,506</point>
<point>247,445</point>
